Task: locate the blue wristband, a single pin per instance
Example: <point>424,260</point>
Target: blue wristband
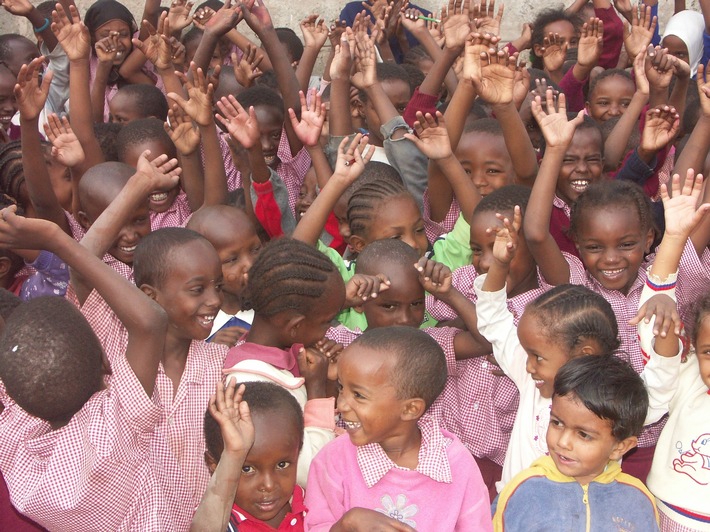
<point>43,26</point>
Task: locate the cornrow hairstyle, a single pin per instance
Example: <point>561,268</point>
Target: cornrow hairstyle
<point>701,309</point>
<point>365,199</point>
<point>260,96</point>
<point>543,19</point>
<point>287,275</point>
<point>419,368</point>
<point>505,199</point>
<point>263,398</point>
<point>291,42</point>
<point>141,131</point>
<point>607,193</point>
<point>12,174</point>
<point>50,358</point>
<point>606,75</point>
<point>415,55</point>
<point>572,313</point>
<point>609,388</point>
<point>148,100</point>
<point>154,258</point>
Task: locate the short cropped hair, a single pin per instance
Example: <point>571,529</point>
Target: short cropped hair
<point>260,96</point>
<point>419,368</point>
<point>608,387</point>
<point>388,251</point>
<point>148,100</point>
<point>291,42</point>
<point>50,358</point>
<point>262,398</point>
<point>140,131</point>
<point>154,260</point>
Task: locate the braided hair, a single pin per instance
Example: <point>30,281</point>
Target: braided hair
<point>287,275</point>
<point>12,174</point>
<point>365,199</point>
<point>571,313</point>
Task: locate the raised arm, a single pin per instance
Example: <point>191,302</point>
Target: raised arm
<point>308,129</point>
<point>24,8</point>
<point>315,34</point>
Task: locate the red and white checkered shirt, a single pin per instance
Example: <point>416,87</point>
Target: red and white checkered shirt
<point>95,473</point>
<point>693,280</point>
<point>480,407</point>
<point>176,216</point>
<point>435,229</point>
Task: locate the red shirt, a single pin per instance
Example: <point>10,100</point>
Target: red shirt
<point>293,521</point>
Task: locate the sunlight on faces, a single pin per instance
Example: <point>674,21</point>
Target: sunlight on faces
<point>702,349</point>
<point>8,103</point>
<point>123,41</point>
<point>611,97</point>
<point>399,92</point>
<point>522,275</point>
<point>612,245</point>
<point>397,217</point>
<point>582,165</point>
<point>271,121</point>
<point>160,200</point>
<point>402,303</point>
<point>269,472</point>
<point>192,292</point>
<point>581,443</point>
<point>486,161</point>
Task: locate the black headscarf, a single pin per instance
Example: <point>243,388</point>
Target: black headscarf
<point>105,11</point>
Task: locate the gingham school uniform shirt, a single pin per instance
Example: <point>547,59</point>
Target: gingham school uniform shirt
<point>435,229</point>
<point>176,215</point>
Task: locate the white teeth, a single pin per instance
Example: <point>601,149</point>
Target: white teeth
<point>206,320</point>
<point>351,425</point>
<point>129,249</point>
<point>270,159</point>
<point>538,382</point>
<point>611,273</point>
<point>580,184</point>
<point>159,196</point>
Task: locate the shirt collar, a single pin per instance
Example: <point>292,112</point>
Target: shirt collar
<point>433,460</point>
<point>562,204</point>
<point>298,509</point>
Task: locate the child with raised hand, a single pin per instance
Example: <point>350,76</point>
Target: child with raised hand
<point>397,471</point>
<point>576,323</point>
<point>597,411</point>
<point>253,460</point>
<point>612,240</point>
<point>79,419</point>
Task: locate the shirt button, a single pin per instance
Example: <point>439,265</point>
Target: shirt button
<point>475,406</point>
<point>484,365</point>
<point>294,521</point>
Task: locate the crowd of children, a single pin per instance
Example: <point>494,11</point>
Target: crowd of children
<point>428,287</point>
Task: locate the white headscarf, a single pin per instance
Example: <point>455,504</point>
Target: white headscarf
<point>689,27</point>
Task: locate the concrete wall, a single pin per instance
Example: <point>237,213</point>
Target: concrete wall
<point>290,12</point>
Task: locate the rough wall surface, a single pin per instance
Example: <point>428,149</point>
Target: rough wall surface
<point>290,12</point>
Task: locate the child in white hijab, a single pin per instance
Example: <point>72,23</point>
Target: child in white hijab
<point>683,37</point>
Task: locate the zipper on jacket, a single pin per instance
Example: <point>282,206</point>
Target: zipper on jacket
<point>585,500</point>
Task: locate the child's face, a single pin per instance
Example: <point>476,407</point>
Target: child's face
<point>580,442</point>
<point>523,273</point>
<point>399,92</point>
<point>130,234</point>
<point>271,123</point>
<point>367,401</point>
<point>581,166</point>
<point>307,194</point>
<point>124,44</point>
<point>22,52</point>
<point>122,109</point>
<point>399,218</point>
<point>676,47</point>
<point>192,293</point>
<point>341,213</point>
<point>611,97</point>
<point>612,245</point>
<point>317,322</point>
<point>269,471</point>
<point>545,357</point>
<point>238,246</point>
<point>160,200</point>
<point>401,304</point>
<point>566,31</point>
<point>702,343</point>
<point>8,104</point>
<point>60,177</point>
<point>485,159</point>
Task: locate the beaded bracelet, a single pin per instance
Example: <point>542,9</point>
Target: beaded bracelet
<point>43,26</point>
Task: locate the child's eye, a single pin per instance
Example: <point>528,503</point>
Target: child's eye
<point>358,395</point>
<point>247,469</point>
<point>476,250</point>
<point>339,386</point>
<point>283,464</point>
<point>592,248</point>
<point>539,358</point>
<point>419,230</point>
<point>584,435</point>
<point>493,171</point>
<point>197,290</point>
<point>555,422</point>
<point>628,245</point>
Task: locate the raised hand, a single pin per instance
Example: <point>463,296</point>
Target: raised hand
<point>361,288</point>
<point>366,74</point>
<point>661,127</point>
<point>485,19</point>
<point>555,127</point>
<point>411,21</point>
<point>642,84</point>
<point>17,7</point>
<point>313,365</point>
<point>638,35</point>
<point>18,232</point>
<point>659,67</point>
<point>182,131</point>
<point>590,43</point>
<point>435,277</point>
<point>704,90</point>
<point>507,237</point>
<point>477,45</point>
<point>66,148</point>
<point>352,158</point>
<point>202,16</point>
<point>431,137</point>
<point>179,16</point>
<point>107,48</point>
<point>522,86</point>
<point>553,52</point>
<point>156,47</point>
<point>435,29</point>
<point>242,126</point>
<point>29,94</point>
<point>341,64</point>
<point>379,29</point>
<point>336,29</point>
<point>314,31</point>
<point>680,209</point>
<point>72,34</point>
<point>257,16</point>
<point>233,417</point>
<point>162,172</point>
<point>308,128</point>
<point>497,80</point>
<point>246,69</point>
<point>199,91</point>
<point>225,19</point>
<point>457,26</point>
<point>666,312</point>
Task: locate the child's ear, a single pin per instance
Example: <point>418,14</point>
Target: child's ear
<point>5,266</point>
<point>537,50</point>
<point>413,409</point>
<point>357,243</point>
<point>649,240</point>
<point>210,462</point>
<point>150,291</point>
<point>622,447</point>
<point>294,324</point>
<point>585,346</point>
<point>83,220</point>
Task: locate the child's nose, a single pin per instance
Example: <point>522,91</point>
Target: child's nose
<point>267,482</point>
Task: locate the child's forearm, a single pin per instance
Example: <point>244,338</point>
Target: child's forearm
<point>466,309</point>
<point>615,145</point>
<point>81,115</point>
<point>131,68</point>
<point>496,277</point>
<point>442,64</point>
<point>465,192</point>
<point>320,165</point>
<point>695,150</point>
<point>383,107</point>
<point>517,142</point>
<point>304,70</point>
<point>678,96</point>
<point>259,171</point>
<point>215,174</point>
<point>311,225</point>
<point>151,13</point>
<point>192,179</point>
<point>340,120</point>
<point>205,49</point>
<point>38,21</point>
<point>98,92</point>
<point>216,505</point>
<point>457,111</point>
